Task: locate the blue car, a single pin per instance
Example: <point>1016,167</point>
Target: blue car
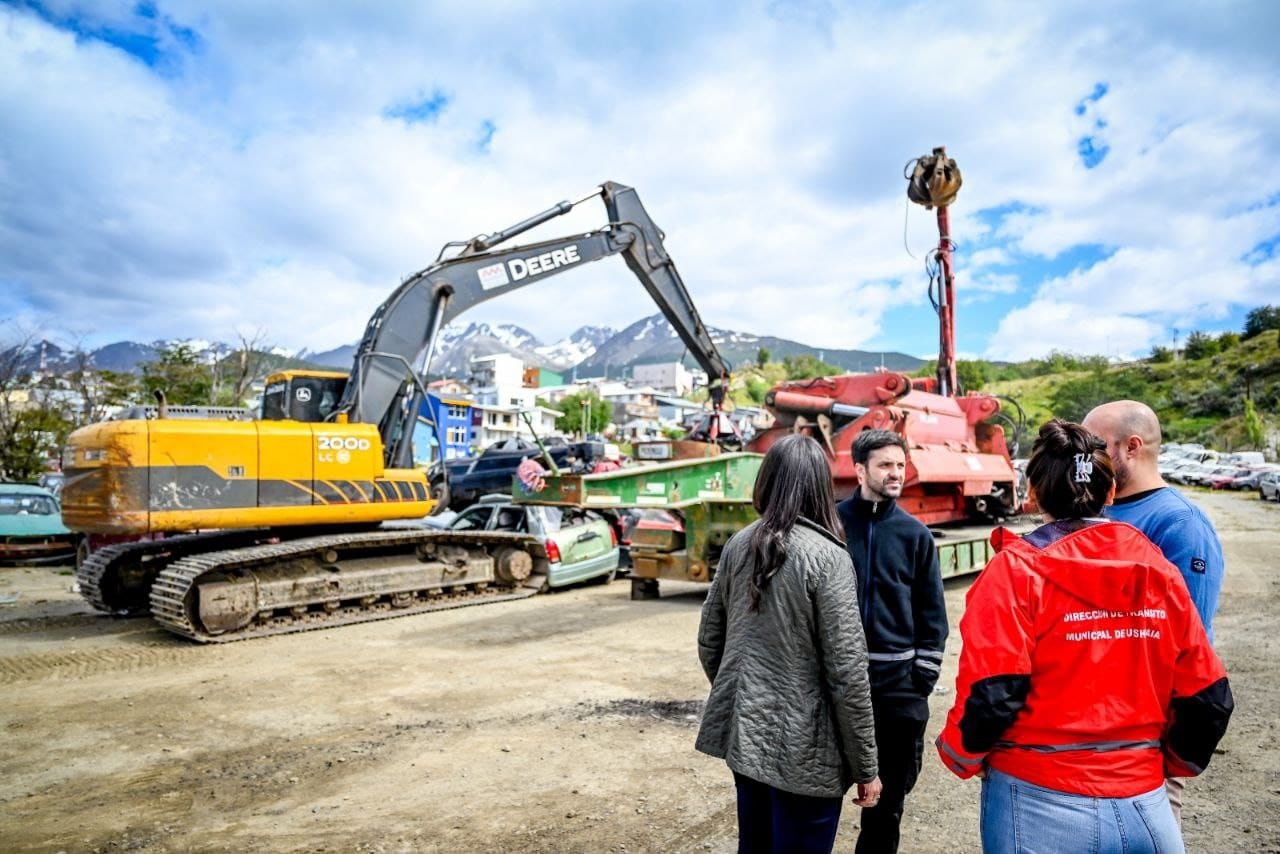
<point>31,529</point>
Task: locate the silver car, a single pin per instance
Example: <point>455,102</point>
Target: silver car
<point>580,544</point>
<point>1269,486</point>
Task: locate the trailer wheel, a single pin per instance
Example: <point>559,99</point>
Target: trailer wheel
<point>644,588</point>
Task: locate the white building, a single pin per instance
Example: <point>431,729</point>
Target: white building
<point>498,380</point>
<point>500,396</point>
<point>501,369</point>
<point>671,377</point>
<point>499,423</point>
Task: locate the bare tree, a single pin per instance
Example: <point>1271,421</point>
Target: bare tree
<point>248,363</point>
<point>14,343</point>
<point>86,380</point>
<point>32,420</point>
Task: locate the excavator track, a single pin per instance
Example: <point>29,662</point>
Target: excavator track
<point>116,579</point>
<point>245,572</point>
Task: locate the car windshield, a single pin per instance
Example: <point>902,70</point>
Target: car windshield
<point>27,505</point>
<point>473,518</point>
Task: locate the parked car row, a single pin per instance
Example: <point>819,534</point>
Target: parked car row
<point>1195,465</point>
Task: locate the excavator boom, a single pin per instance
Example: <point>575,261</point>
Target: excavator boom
<point>400,337</point>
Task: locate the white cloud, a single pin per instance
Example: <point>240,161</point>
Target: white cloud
<point>1072,328</point>
<point>261,186</point>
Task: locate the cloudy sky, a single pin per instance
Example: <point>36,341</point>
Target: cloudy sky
<point>182,169</point>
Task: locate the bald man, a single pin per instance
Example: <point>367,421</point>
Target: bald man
<point>1179,528</point>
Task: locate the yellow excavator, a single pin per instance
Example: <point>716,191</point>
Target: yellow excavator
<point>239,527</point>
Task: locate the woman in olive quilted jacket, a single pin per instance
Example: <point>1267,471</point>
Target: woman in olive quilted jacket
<point>781,642</point>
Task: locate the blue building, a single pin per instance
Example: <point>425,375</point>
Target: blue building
<point>450,418</point>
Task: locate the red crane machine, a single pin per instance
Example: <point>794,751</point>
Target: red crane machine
<point>959,466</point>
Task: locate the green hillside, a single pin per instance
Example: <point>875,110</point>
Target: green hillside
<point>1198,399</point>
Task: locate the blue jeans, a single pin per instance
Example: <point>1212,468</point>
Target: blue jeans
<point>1021,818</point>
<point>771,820</point>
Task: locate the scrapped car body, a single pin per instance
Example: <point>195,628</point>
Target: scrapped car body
<point>580,544</point>
<point>31,529</point>
<point>1269,486</point>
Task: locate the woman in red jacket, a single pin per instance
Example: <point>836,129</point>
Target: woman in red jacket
<point>1085,674</point>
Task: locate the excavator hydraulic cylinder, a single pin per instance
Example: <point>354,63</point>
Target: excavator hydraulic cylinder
<point>808,404</point>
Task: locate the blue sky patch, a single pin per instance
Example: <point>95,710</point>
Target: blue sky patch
<point>993,216</point>
<point>422,110</point>
<point>1091,147</point>
<point>913,328</point>
<point>1092,151</point>
<point>1099,89</point>
<point>154,39</point>
<point>1269,202</point>
<point>487,130</point>
<point>1264,251</point>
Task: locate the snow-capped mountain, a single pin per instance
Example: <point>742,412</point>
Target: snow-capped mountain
<point>122,356</point>
<point>457,346</point>
<point>653,339</point>
<point>591,350</point>
<point>339,357</point>
<point>577,348</point>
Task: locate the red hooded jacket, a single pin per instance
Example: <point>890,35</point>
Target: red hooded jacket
<point>1085,667</point>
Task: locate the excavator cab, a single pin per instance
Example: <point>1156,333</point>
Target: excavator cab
<point>306,396</point>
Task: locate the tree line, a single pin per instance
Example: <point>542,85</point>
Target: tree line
<point>38,409</point>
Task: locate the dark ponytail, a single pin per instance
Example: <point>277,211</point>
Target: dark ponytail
<point>794,483</point>
<point>1070,471</point>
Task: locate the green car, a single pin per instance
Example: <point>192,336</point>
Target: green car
<point>581,544</point>
<point>31,529</point>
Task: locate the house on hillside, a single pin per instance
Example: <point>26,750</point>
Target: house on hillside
<point>449,387</point>
<point>669,377</point>
<point>542,378</point>
<point>497,423</point>
<point>674,410</point>
<point>445,422</point>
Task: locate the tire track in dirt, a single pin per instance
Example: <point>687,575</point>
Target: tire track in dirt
<point>82,664</point>
<point>97,623</point>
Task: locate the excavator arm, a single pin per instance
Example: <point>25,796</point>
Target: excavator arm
<point>386,379</point>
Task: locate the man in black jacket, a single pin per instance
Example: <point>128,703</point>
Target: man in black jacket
<point>904,618</point>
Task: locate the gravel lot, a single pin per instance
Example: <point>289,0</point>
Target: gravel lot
<point>564,722</point>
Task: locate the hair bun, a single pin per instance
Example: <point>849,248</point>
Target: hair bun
<point>1062,438</point>
<point>1069,470</point>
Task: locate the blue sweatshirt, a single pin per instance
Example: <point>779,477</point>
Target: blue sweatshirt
<point>1187,538</point>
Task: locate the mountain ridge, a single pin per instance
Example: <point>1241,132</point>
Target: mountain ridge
<point>589,351</point>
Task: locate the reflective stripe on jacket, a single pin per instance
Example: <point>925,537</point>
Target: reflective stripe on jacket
<point>1084,668</point>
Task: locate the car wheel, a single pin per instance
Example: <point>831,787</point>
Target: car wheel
<point>440,495</point>
<point>82,552</point>
<point>607,578</point>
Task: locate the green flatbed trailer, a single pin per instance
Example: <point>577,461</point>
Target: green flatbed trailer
<point>711,500</point>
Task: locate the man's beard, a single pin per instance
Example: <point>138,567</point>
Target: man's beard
<point>1121,469</point>
<point>883,490</point>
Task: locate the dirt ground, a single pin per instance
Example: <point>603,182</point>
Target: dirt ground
<point>564,722</point>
